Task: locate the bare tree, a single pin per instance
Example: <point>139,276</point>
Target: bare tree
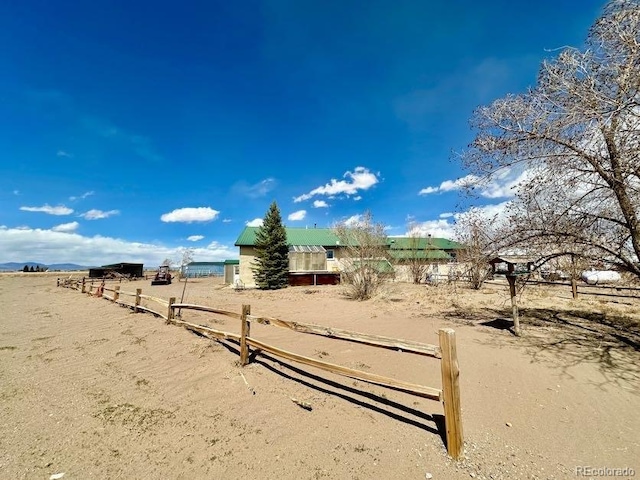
<point>417,255</point>
<point>575,140</point>
<point>186,257</point>
<point>482,242</point>
<point>365,264</point>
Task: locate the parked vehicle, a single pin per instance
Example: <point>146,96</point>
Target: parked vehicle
<point>163,276</point>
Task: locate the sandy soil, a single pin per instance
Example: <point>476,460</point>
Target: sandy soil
<point>92,390</point>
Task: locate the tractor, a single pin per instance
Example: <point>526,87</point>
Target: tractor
<point>163,276</point>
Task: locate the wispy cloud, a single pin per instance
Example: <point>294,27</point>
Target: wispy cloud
<point>450,185</point>
<point>257,190</point>
<point>195,238</point>
<point>66,227</point>
<point>81,197</point>
<point>62,153</point>
<point>16,192</point>
<point>59,210</point>
<point>94,214</point>
<point>141,145</point>
<point>296,216</point>
<point>320,204</point>
<point>360,179</point>
<point>190,215</point>
<point>503,184</point>
<point>256,222</point>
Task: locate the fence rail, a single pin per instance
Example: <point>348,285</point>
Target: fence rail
<point>445,352</point>
<point>576,289</point>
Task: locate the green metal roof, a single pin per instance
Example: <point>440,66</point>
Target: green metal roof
<point>326,237</point>
<point>419,254</point>
<point>421,243</point>
<point>295,236</point>
<point>232,262</point>
<point>194,264</point>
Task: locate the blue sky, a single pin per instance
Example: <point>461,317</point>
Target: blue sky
<point>132,130</point>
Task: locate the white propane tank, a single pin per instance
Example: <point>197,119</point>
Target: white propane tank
<point>593,277</point>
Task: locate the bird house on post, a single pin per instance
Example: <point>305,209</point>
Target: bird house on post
<point>512,266</point>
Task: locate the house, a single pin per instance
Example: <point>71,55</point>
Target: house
<point>202,269</point>
<point>227,269</point>
<point>439,254</point>
<point>315,255</point>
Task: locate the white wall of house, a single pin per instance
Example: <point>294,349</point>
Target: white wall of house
<point>247,254</point>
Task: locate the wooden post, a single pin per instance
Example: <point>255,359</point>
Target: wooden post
<point>574,288</point>
<point>116,293</point>
<point>170,315</point>
<point>58,283</point>
<point>514,303</point>
<point>137,304</point>
<point>451,392</point>
<point>83,285</point>
<point>245,331</point>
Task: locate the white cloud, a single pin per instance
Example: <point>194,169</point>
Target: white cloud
<point>83,196</point>
<point>320,204</point>
<point>299,215</point>
<point>62,153</point>
<point>48,246</point>
<point>227,220</point>
<point>436,228</point>
<point>256,190</point>
<point>503,184</point>
<point>444,227</point>
<point>450,185</point>
<point>360,179</point>
<point>256,222</point>
<point>99,214</point>
<point>59,210</point>
<point>16,192</point>
<point>189,215</point>
<point>353,220</point>
<point>66,227</point>
<point>195,238</point>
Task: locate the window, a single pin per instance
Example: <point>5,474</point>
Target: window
<point>330,254</point>
<point>305,258</point>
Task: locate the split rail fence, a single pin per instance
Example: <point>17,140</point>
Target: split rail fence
<point>446,352</point>
<point>576,289</point>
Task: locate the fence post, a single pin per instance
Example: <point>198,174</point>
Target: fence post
<point>116,293</point>
<point>83,285</point>
<point>58,283</point>
<point>514,303</point>
<point>451,392</point>
<point>574,288</point>
<point>170,315</point>
<point>245,331</point>
<point>137,304</point>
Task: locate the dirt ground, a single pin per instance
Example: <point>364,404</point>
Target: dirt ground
<point>90,389</point>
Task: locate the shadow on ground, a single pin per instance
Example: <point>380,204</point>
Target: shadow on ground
<point>568,338</point>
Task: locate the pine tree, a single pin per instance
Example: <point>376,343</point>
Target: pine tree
<point>271,266</point>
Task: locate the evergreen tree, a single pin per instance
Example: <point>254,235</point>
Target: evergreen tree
<point>26,268</point>
<point>271,266</point>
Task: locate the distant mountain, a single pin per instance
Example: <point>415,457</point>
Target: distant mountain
<point>16,266</point>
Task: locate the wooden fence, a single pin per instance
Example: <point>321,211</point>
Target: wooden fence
<point>449,394</point>
<point>578,288</point>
